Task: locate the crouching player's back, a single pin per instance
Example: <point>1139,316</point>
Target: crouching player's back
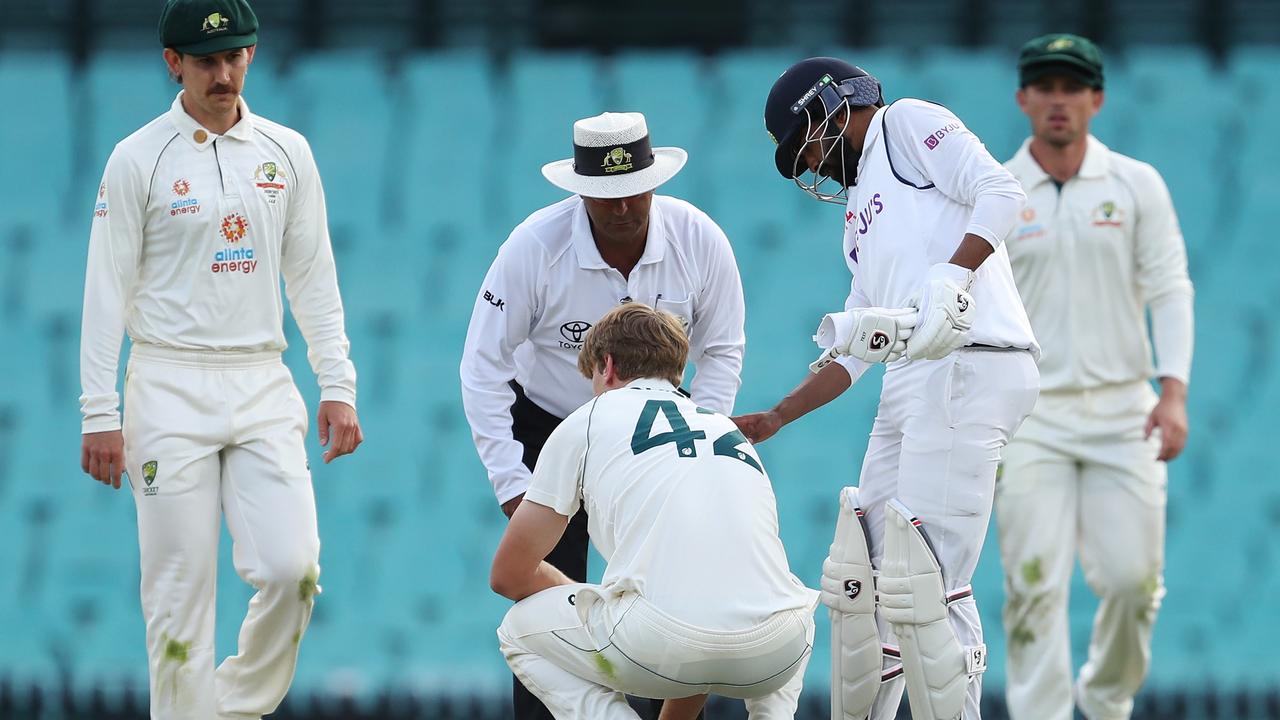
<point>696,596</point>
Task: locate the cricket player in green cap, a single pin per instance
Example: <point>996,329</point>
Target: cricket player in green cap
<point>1095,250</point>
<point>199,215</point>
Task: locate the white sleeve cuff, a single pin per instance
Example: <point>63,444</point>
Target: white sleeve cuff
<point>1173,334</point>
<point>853,366</point>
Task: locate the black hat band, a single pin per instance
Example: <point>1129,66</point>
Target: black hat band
<point>612,160</point>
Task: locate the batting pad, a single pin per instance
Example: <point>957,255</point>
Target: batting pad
<point>913,600</point>
<point>848,589</point>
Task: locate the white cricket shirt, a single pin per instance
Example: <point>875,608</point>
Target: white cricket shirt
<point>549,284</point>
<point>192,232</point>
<point>678,504</point>
<point>1090,259</point>
<point>924,181</point>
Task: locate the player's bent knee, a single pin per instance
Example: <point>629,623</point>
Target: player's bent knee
<point>299,576</point>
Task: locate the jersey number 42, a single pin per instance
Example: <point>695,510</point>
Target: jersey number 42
<point>682,437</point>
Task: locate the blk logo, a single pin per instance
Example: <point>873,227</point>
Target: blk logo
<point>962,303</point>
<point>879,340</point>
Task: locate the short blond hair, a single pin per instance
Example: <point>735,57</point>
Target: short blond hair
<point>642,341</point>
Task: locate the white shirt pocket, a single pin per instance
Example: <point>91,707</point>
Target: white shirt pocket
<point>682,309</point>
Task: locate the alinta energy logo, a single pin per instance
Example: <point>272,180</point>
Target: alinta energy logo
<point>234,257</point>
<point>183,205</point>
<point>100,208</point>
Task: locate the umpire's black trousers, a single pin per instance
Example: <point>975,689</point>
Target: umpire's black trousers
<point>531,426</point>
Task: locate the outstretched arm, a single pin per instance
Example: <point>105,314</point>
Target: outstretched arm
<point>813,392</point>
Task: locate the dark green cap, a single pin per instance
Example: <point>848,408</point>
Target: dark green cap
<point>205,27</point>
<point>1060,54</point>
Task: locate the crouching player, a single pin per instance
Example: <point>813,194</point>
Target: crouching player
<point>696,596</point>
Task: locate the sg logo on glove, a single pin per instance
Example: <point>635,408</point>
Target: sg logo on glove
<point>870,334</point>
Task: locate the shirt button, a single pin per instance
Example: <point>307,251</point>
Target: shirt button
<point>200,136</point>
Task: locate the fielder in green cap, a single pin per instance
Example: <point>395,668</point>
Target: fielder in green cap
<point>1096,250</point>
<point>191,207</point>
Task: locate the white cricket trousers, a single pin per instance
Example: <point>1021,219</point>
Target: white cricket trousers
<point>1080,477</point>
<point>212,434</point>
<point>581,654</point>
<point>936,446</point>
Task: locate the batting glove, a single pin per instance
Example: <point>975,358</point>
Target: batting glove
<point>946,313</point>
<point>869,334</point>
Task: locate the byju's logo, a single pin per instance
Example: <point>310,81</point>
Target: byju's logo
<point>936,136</point>
<point>574,331</point>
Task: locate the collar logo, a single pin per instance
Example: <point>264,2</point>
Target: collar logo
<point>216,23</point>
<point>617,160</point>
<point>234,227</point>
<point>1059,44</point>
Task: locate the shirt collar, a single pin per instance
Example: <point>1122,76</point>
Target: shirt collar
<point>193,131</point>
<point>584,243</point>
<point>873,132</point>
<point>651,384</point>
<point>1097,159</point>
<point>1096,163</point>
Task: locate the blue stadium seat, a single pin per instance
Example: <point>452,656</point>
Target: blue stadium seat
<point>38,145</point>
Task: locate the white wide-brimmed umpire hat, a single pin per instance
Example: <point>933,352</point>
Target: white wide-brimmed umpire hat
<point>612,158</point>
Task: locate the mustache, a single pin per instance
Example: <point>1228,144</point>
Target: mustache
<point>216,89</point>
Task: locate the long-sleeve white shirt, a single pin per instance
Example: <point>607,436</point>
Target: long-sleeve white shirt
<point>1090,259</point>
<point>191,234</point>
<point>924,182</point>
<point>549,284</point>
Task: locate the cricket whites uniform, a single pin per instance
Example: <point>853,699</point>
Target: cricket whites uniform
<point>544,291</point>
<point>1091,258</point>
<point>923,182</point>
<point>696,596</point>
<point>547,287</point>
<point>191,234</point>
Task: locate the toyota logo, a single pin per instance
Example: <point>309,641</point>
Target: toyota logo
<point>574,331</point>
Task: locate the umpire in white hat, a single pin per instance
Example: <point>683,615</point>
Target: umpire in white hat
<point>614,240</point>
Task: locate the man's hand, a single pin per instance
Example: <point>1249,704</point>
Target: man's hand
<point>102,456</point>
<point>870,334</point>
<point>509,507</point>
<point>760,426</point>
<point>337,421</point>
<point>946,313</point>
<point>1170,416</point>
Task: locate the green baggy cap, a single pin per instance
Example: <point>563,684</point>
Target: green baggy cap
<point>1061,54</point>
<point>205,27</point>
